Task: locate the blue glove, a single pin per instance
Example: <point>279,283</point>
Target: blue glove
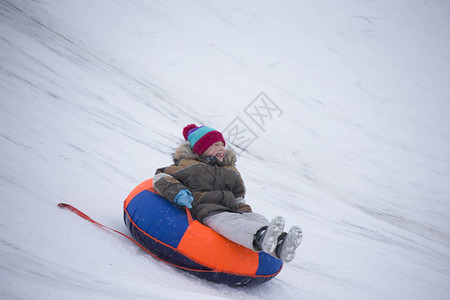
<point>184,198</point>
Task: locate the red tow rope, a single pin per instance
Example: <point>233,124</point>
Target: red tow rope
<point>86,217</point>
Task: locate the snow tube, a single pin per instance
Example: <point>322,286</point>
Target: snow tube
<point>171,235</point>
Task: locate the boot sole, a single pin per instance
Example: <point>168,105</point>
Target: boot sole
<point>293,240</point>
<point>274,230</point>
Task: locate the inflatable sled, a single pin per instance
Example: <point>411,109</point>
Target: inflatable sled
<point>170,234</point>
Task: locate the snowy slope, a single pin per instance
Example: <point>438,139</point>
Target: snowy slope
<point>354,145</point>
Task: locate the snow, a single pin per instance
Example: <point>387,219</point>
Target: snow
<point>94,96</point>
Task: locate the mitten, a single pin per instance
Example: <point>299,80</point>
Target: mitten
<point>184,198</point>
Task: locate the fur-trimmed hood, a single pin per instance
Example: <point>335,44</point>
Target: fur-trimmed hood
<point>184,151</point>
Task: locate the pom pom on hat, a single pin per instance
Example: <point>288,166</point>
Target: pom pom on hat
<point>187,129</point>
<point>201,138</point>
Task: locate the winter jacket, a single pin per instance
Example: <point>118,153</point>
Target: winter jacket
<point>215,186</point>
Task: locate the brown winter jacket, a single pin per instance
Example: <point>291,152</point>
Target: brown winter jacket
<point>215,186</point>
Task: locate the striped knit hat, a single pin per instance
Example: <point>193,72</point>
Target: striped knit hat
<point>201,138</point>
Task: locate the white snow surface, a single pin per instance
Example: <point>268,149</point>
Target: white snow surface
<point>94,96</point>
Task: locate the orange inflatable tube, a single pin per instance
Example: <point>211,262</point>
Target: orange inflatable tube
<point>168,232</point>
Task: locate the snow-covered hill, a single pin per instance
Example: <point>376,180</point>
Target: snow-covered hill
<point>345,106</point>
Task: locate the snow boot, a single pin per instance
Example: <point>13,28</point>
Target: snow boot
<point>266,238</point>
<point>288,243</point>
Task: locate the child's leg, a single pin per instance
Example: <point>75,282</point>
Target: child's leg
<point>255,217</point>
<point>239,228</point>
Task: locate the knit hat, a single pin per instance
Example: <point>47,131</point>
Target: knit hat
<point>201,138</point>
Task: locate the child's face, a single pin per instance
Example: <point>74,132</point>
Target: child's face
<point>217,150</point>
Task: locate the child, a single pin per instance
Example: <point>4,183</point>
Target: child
<point>204,179</point>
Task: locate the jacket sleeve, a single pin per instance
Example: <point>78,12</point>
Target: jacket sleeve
<point>166,185</point>
<point>239,193</point>
<point>238,189</point>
